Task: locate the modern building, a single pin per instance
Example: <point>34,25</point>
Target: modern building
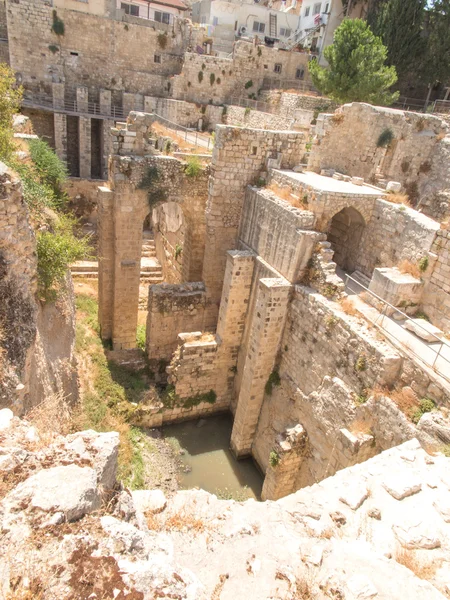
<point>227,20</point>
<point>161,11</point>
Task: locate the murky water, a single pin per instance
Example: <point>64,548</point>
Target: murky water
<point>210,464</point>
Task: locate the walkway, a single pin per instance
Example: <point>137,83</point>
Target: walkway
<point>433,355</point>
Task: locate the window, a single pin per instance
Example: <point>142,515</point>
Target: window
<point>300,73</point>
<point>258,27</point>
<point>73,53</point>
<point>203,20</point>
<point>307,9</point>
<point>130,9</point>
<point>157,59</point>
<point>215,21</point>
<point>327,6</point>
<point>285,32</point>
<point>277,68</point>
<point>316,9</point>
<point>254,150</point>
<point>162,17</point>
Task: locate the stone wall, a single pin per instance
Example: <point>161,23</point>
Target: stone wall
<point>436,295</point>
<point>240,157</point>
<point>169,234</point>
<point>394,233</point>
<point>172,309</point>
<point>43,124</point>
<point>97,51</point>
<point>246,117</point>
<point>37,338</point>
<point>210,78</point>
<point>287,103</point>
<point>349,142</point>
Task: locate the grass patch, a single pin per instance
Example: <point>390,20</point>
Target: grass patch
<point>141,336</point>
<point>274,380</point>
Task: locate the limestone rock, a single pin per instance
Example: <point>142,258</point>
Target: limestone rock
<point>417,532</point>
<point>71,490</point>
<point>424,330</point>
<point>401,486</point>
<point>354,495</point>
<point>149,500</point>
<point>436,425</point>
<point>6,416</point>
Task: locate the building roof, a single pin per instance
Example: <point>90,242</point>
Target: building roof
<point>288,4</point>
<point>173,3</point>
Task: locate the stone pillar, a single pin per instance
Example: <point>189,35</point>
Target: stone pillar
<point>84,125</point>
<point>284,463</point>
<point>82,99</point>
<point>272,296</point>
<point>128,101</point>
<point>232,315</point>
<point>105,261</point>
<point>105,102</point>
<point>60,125</point>
<point>58,90</point>
<point>107,145</point>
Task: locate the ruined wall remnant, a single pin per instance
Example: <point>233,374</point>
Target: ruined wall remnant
<point>37,339</point>
<point>436,297</point>
<point>385,144</point>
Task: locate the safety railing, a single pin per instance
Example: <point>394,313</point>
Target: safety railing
<point>91,109</point>
<point>441,106</point>
<point>279,83</point>
<point>190,136</point>
<point>378,322</point>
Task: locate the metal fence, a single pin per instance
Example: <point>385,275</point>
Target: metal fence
<point>441,106</point>
<point>91,109</point>
<point>191,136</point>
<point>279,83</point>
<point>437,361</point>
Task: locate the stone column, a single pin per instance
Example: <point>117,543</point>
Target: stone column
<point>107,145</point>
<point>105,102</point>
<point>58,90</point>
<point>284,463</point>
<point>272,296</point>
<point>232,315</point>
<point>84,129</point>
<point>82,100</point>
<point>60,125</point>
<point>105,261</point>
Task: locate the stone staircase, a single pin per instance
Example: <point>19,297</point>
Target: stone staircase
<point>151,271</point>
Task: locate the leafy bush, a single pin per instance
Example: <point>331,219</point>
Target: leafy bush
<point>50,169</point>
<point>425,405</point>
<point>10,98</point>
<point>162,40</point>
<point>212,79</point>
<point>249,84</point>
<point>56,250</point>
<point>274,379</point>
<point>57,25</point>
<point>385,138</point>
<point>140,336</point>
<point>193,167</point>
<point>200,76</point>
<point>423,264</point>
<point>274,458</point>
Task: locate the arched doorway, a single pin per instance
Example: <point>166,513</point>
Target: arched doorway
<point>344,234</point>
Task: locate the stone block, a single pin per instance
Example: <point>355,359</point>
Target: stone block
<point>397,288</point>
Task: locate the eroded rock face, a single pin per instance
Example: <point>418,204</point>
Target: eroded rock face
<point>367,532</point>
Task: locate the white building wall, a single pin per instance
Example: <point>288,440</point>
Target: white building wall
<point>147,11</point>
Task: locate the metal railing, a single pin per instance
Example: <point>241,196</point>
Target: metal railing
<point>279,83</point>
<point>378,322</point>
<point>191,136</point>
<point>91,109</point>
<point>441,106</point>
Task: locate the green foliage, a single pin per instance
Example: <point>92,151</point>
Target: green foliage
<point>247,111</point>
<point>200,76</point>
<point>162,40</point>
<point>136,478</point>
<point>212,79</point>
<point>421,315</point>
<point>193,167</point>
<point>274,380</point>
<point>10,99</point>
<point>57,248</point>
<point>219,81</point>
<point>361,363</point>
<point>203,66</point>
<point>140,336</point>
<point>446,450</point>
<point>236,495</point>
<point>249,84</point>
<point>385,138</point>
<point>423,263</point>
<point>49,167</point>
<point>399,24</point>
<point>274,458</point>
<point>170,398</point>
<point>168,147</point>
<point>361,399</point>
<point>357,70</point>
<point>178,251</point>
<point>57,24</point>
<point>53,49</point>
<point>259,52</point>
<point>150,182</point>
<point>425,405</point>
<point>436,60</point>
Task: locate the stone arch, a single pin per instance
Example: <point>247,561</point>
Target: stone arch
<point>344,233</point>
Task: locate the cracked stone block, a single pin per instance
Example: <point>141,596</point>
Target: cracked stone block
<point>354,495</point>
<point>417,533</point>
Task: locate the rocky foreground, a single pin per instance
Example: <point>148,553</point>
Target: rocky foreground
<point>69,531</point>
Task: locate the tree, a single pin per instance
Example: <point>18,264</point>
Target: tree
<point>399,24</point>
<point>10,98</point>
<point>436,66</point>
<point>357,70</point>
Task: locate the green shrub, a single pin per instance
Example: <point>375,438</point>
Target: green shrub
<point>140,336</point>
<point>56,250</point>
<point>193,167</point>
<point>423,263</point>
<point>274,458</point>
<point>178,250</point>
<point>274,380</point>
<point>10,99</point>
<point>49,167</point>
<point>361,363</point>
<point>425,405</point>
<point>53,49</point>
<point>247,111</point>
<point>200,76</point>
<point>162,40</point>
<point>58,24</point>
<point>385,138</point>
<point>249,84</point>
<point>212,79</point>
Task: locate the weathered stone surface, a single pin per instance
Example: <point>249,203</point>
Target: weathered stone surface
<point>153,501</point>
<point>400,486</point>
<point>424,329</point>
